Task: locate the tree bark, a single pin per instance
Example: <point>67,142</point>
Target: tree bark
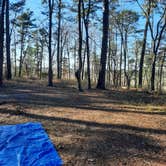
<point>21,54</point>
<point>78,72</point>
<point>143,54</point>
<point>136,66</point>
<point>8,60</point>
<point>2,6</point>
<point>86,24</point>
<point>153,73</point>
<point>50,72</point>
<point>161,72</point>
<point>68,55</point>
<point>15,55</point>
<point>102,72</point>
<point>125,59</point>
<point>58,40</point>
<point>83,63</point>
<point>41,59</point>
<point>120,66</point>
<point>88,57</point>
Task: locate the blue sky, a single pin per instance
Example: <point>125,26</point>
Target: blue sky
<point>36,7</point>
<point>34,4</point>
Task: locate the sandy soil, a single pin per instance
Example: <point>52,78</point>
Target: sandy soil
<point>102,128</point>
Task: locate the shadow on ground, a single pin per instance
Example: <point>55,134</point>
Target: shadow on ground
<point>99,143</point>
<point>86,142</point>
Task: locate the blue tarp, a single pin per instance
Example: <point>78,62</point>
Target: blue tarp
<point>26,145</point>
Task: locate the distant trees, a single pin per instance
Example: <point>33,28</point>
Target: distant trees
<point>24,22</point>
<point>156,40</point>
<point>70,41</point>
<point>125,21</point>
<point>156,30</point>
<point>16,9</point>
<point>147,12</point>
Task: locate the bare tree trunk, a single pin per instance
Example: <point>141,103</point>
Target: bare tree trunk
<point>125,59</point>
<point>86,24</point>
<point>58,41</point>
<point>68,55</point>
<point>109,60</point>
<point>9,74</point>
<point>21,55</point>
<point>50,72</point>
<point>136,65</point>
<point>143,54</point>
<point>88,58</point>
<point>63,42</point>
<point>41,60</point>
<point>75,58</point>
<point>161,72</point>
<point>120,74</point>
<point>153,73</point>
<point>114,74</point>
<point>2,6</point>
<point>37,55</point>
<point>15,55</point>
<point>83,63</point>
<point>78,72</point>
<point>102,72</point>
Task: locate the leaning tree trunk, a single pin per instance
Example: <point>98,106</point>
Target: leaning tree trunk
<point>8,60</point>
<point>2,6</point>
<point>102,72</point>
<point>83,63</point>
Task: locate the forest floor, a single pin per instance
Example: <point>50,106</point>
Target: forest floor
<point>102,128</point>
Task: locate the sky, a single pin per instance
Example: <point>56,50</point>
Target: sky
<point>36,7</point>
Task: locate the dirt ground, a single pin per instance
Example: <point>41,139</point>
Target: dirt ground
<point>102,128</point>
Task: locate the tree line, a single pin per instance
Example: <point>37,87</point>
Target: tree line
<point>99,42</point>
